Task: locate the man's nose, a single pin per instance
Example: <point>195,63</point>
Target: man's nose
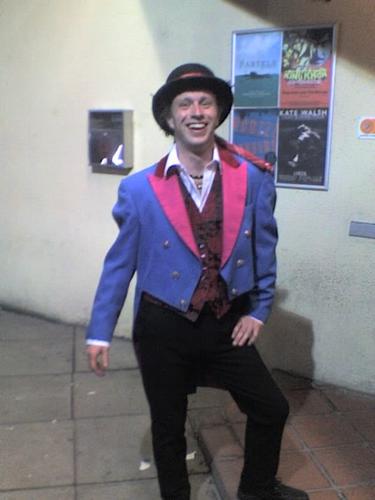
<point>196,109</point>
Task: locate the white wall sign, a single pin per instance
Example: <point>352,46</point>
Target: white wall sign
<point>366,127</point>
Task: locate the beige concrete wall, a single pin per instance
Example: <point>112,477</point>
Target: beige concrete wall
<point>59,58</point>
<point>324,320</point>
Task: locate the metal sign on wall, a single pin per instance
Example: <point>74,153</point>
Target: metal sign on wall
<point>283,93</point>
<point>111,141</point>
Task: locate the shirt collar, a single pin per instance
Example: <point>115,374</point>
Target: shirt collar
<point>173,161</point>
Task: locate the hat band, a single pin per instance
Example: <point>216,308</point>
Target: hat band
<point>190,75</point>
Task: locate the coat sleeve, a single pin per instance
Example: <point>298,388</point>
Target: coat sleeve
<point>264,249</point>
<point>118,270</point>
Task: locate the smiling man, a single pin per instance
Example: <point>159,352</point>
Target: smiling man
<point>198,228</point>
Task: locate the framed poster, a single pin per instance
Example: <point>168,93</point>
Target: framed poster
<point>283,93</point>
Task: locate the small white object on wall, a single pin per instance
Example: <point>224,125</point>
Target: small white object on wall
<point>366,127</point>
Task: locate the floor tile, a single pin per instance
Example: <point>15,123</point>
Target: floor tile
<point>233,413</point>
<point>196,463</point>
<point>111,449</point>
<point>36,455</point>
<point>227,476</point>
<point>206,397</point>
<point>205,417</point>
<point>137,490</point>
<point>35,398</point>
<point>52,355</point>
<point>202,488</point>
<point>307,402</point>
<point>291,441</point>
<point>360,493</point>
<point>324,495</point>
<point>220,443</point>
<point>239,431</point>
<point>345,400</point>
<point>118,393</point>
<point>19,327</point>
<point>364,423</point>
<point>286,381</point>
<point>299,470</point>
<point>40,494</point>
<point>325,430</point>
<point>348,465</point>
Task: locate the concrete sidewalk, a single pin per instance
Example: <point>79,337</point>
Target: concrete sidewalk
<point>68,435</point>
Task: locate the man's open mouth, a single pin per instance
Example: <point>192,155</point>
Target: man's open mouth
<point>196,126</point>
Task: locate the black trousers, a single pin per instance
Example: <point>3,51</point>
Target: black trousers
<point>172,351</point>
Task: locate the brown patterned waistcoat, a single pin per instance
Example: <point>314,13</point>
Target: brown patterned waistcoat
<point>207,229</point>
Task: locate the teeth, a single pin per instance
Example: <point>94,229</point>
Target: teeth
<point>197,126</point>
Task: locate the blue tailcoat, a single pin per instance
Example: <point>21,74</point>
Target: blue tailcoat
<point>156,242</point>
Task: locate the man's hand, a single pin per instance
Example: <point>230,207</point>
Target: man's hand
<point>98,358</point>
<point>246,331</point>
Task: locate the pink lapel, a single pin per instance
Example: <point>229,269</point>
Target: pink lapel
<point>168,192</point>
<point>234,198</point>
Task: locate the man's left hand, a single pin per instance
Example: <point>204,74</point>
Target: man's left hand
<point>246,331</point>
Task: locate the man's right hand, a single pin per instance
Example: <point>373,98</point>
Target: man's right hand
<point>98,358</point>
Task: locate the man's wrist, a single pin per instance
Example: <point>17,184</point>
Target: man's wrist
<point>257,320</point>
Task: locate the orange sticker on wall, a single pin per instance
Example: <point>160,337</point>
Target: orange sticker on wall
<point>366,127</point>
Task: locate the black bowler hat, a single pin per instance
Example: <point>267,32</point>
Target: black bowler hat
<point>190,76</point>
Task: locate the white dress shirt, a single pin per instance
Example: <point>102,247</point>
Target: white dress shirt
<point>199,196</point>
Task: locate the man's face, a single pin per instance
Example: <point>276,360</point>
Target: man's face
<point>194,116</point>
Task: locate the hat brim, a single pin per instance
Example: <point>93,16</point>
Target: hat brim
<point>165,95</point>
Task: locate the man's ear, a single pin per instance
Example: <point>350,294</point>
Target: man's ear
<point>169,121</point>
<point>219,112</point>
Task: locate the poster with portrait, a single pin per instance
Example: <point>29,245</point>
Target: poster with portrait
<point>302,146</point>
<point>283,93</point>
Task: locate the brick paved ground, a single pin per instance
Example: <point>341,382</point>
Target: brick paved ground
<point>328,447</point>
<point>68,435</point>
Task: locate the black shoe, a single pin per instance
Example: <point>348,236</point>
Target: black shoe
<point>277,491</point>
